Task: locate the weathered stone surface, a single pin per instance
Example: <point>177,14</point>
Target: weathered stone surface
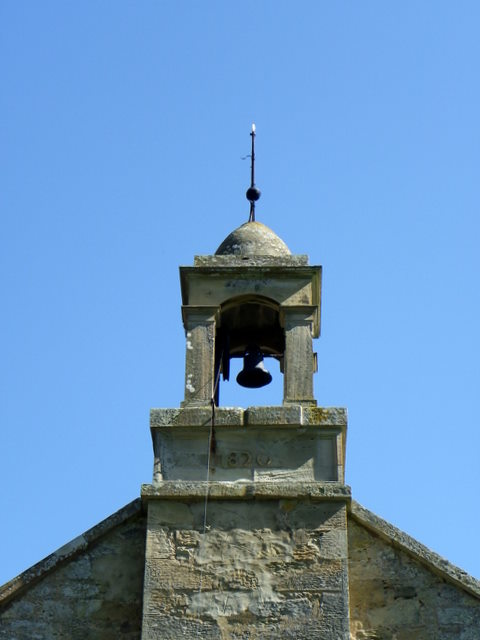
<point>253,239</point>
<point>215,261</point>
<point>298,360</point>
<point>251,569</point>
<point>92,591</point>
<point>415,549</point>
<point>324,416</point>
<point>256,444</point>
<point>264,416</point>
<point>397,589</point>
<point>277,416</point>
<point>286,285</point>
<point>200,354</point>
<point>291,550</point>
<point>196,417</point>
<point>187,518</point>
<point>263,454</point>
<point>196,491</point>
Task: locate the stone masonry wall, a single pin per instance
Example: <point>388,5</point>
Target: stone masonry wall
<point>95,595</point>
<point>263,569</point>
<point>395,597</point>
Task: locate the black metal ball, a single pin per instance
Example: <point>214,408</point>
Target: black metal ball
<point>253,194</point>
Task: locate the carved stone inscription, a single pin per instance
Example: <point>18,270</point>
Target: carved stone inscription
<point>297,455</point>
<point>243,460</point>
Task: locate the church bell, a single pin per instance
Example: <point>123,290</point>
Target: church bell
<point>253,375</point>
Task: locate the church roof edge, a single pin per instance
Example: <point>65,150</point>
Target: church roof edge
<point>31,576</point>
<point>401,540</point>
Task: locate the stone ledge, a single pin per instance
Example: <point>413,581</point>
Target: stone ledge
<point>278,416</point>
<point>197,490</point>
<point>414,549</point>
<point>299,260</point>
<point>286,415</point>
<point>196,417</point>
<point>324,416</point>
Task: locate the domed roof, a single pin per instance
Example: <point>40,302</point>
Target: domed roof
<point>253,239</point>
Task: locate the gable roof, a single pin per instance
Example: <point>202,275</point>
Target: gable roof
<point>402,541</point>
<point>79,544</point>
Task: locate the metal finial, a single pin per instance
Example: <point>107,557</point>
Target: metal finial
<point>253,194</point>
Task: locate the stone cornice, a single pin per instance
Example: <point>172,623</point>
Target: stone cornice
<point>286,415</point>
<point>198,490</point>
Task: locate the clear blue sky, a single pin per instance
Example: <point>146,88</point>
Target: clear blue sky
<point>123,125</point>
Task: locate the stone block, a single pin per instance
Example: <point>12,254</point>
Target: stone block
<point>302,514</point>
<point>163,417</point>
<point>309,574</point>
<point>159,542</point>
<point>165,627</point>
<point>277,415</point>
<point>169,513</point>
<point>176,576</point>
<point>325,416</point>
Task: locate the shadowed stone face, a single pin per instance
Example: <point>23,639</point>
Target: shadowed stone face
<point>253,239</point>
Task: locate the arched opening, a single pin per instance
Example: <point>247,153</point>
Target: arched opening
<point>247,321</point>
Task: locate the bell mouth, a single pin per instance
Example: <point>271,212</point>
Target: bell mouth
<point>253,375</point>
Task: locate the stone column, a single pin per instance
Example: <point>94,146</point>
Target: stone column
<point>199,323</point>
<point>298,357</point>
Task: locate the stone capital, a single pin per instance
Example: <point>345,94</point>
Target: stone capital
<point>194,315</point>
<point>298,315</point>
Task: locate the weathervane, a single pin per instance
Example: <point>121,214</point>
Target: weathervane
<point>253,194</point>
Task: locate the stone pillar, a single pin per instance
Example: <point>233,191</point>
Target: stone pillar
<point>298,357</point>
<point>199,323</point>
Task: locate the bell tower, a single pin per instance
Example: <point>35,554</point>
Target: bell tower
<point>252,299</point>
<point>246,532</point>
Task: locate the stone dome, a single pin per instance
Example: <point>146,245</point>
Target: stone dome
<point>253,239</point>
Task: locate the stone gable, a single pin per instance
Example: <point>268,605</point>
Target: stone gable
<point>399,590</point>
<point>92,587</point>
<point>89,589</point>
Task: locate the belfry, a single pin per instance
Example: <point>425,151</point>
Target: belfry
<point>252,296</point>
<point>256,496</point>
<point>247,529</point>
